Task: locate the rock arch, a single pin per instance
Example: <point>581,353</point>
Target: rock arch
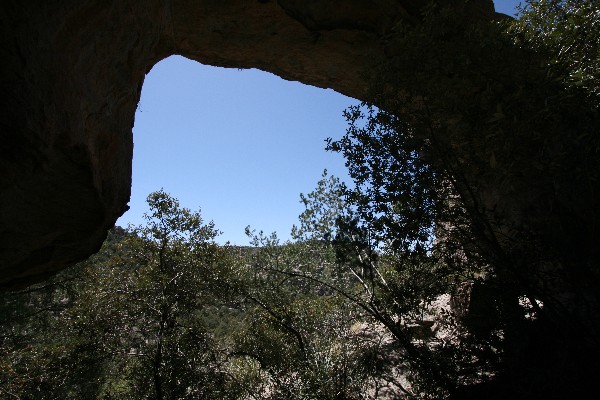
<point>71,76</point>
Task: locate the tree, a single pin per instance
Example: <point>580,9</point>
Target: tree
<point>296,328</point>
<point>163,312</point>
<point>566,34</point>
<point>135,321</point>
<point>162,284</point>
<point>482,169</point>
<point>397,287</point>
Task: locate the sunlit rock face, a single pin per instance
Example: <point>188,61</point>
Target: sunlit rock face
<point>71,76</point>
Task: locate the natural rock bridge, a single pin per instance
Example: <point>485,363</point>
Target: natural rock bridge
<point>72,72</point>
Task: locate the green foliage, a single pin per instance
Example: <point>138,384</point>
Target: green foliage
<point>128,321</point>
<point>323,207</point>
<point>477,171</point>
<point>298,328</point>
<point>163,312</point>
<point>567,34</point>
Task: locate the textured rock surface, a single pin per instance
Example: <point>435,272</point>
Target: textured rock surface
<point>71,76</point>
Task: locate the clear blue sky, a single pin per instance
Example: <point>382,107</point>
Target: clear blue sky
<point>240,145</point>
